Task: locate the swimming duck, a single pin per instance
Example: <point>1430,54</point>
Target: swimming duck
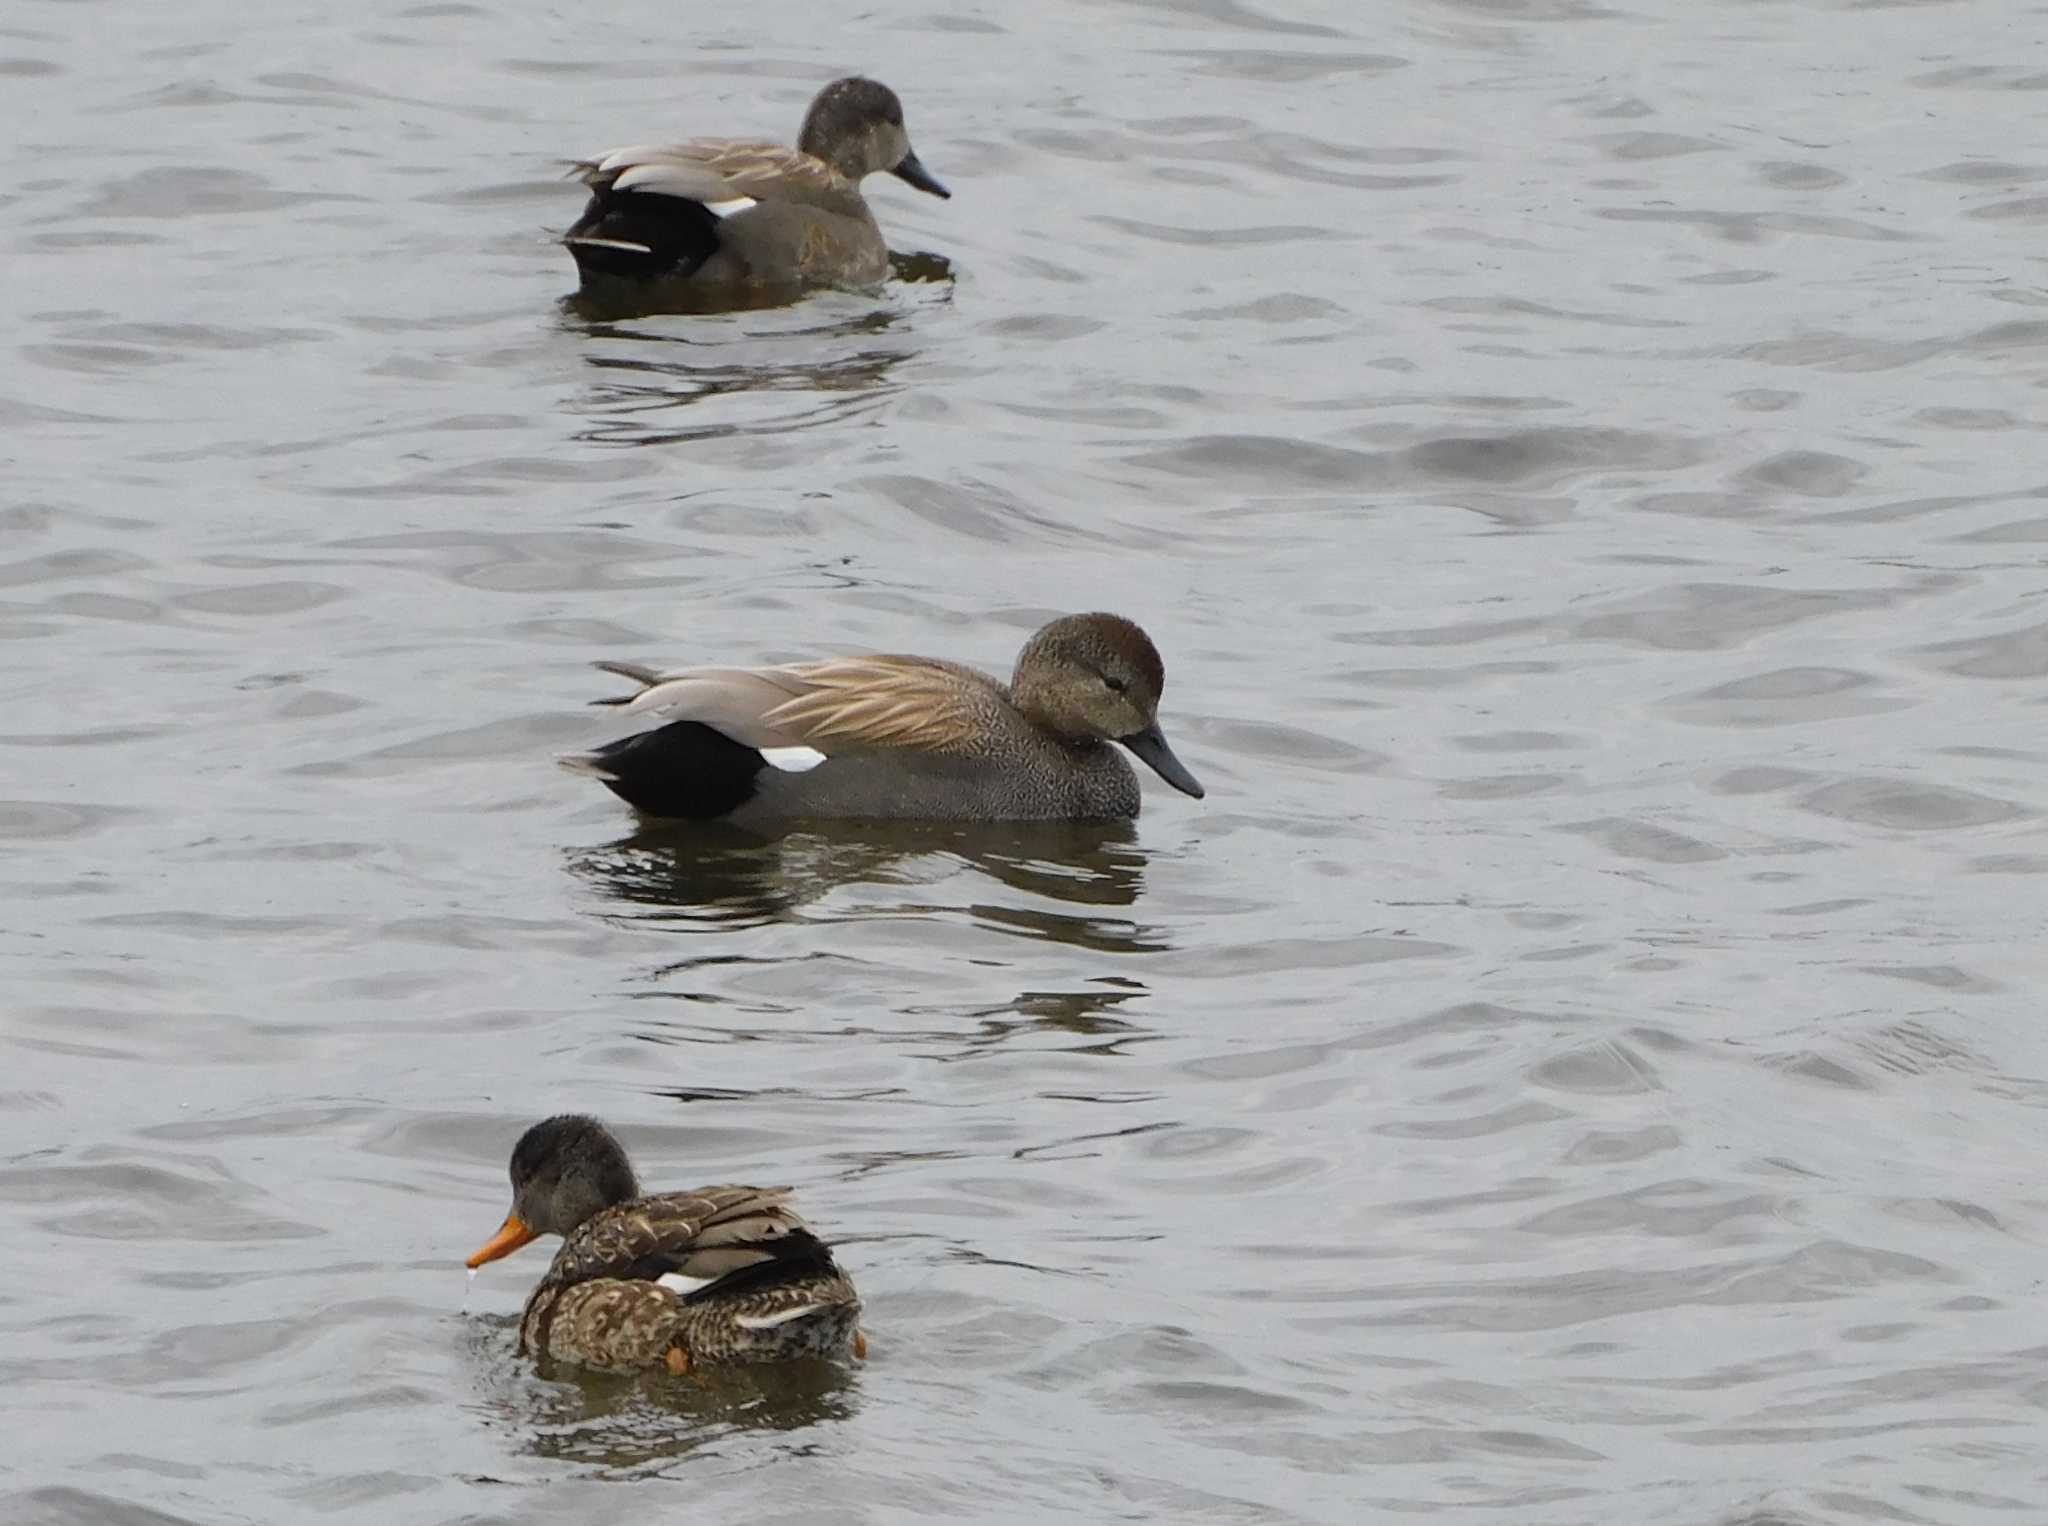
<point>675,1279</point>
<point>719,215</point>
<point>901,736</point>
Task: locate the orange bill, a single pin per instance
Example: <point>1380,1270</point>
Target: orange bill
<point>511,1234</point>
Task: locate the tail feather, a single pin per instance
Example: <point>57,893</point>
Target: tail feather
<point>634,672</point>
<point>608,243</point>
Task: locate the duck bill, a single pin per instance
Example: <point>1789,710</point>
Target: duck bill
<point>512,1234</point>
<point>912,169</point>
<point>1151,749</point>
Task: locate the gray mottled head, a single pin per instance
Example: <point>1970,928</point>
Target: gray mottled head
<point>563,1170</point>
<point>856,126</point>
<point>1098,678</point>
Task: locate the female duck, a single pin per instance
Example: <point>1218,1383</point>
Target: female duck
<point>719,217</point>
<point>901,736</point>
<point>681,1279</point>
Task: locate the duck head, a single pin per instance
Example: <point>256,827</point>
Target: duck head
<point>563,1170</point>
<point>856,126</point>
<point>1097,678</point>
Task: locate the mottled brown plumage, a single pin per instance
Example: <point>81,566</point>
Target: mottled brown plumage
<point>900,736</point>
<point>721,1274</point>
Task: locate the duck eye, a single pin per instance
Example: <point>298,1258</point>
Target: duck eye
<point>1116,685</point>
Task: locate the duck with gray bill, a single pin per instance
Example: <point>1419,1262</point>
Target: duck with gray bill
<point>901,737</point>
<point>675,1279</point>
<point>742,217</point>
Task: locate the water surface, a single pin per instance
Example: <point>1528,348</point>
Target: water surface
<point>1582,1063</point>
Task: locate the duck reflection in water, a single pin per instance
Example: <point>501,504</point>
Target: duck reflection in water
<point>658,387</point>
<point>1087,1015</point>
<point>647,1424</point>
<point>709,875</point>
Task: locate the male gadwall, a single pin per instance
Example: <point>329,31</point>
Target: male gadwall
<point>901,736</point>
<point>675,1279</point>
<point>719,215</point>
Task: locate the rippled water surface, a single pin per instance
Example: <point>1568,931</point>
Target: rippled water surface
<point>1583,1063</point>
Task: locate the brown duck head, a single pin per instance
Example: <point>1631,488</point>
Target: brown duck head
<point>1097,678</point>
<point>856,126</point>
<point>563,1170</point>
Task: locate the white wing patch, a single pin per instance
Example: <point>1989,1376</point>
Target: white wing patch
<point>793,760</point>
<point>677,1282</point>
<point>770,1321</point>
<point>691,182</point>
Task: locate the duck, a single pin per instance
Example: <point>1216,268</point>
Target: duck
<point>898,737</point>
<point>741,217</point>
<point>680,1280</point>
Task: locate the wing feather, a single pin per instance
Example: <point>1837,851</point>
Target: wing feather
<point>713,171</point>
<point>735,701</point>
<point>911,703</point>
<point>702,1235</point>
<point>848,704</point>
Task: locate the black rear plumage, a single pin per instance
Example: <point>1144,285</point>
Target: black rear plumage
<point>641,236</point>
<point>682,769</point>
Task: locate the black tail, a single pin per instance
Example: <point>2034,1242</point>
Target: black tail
<point>683,769</point>
<point>641,236</point>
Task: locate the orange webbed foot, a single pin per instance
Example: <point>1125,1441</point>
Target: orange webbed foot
<point>678,1361</point>
<point>860,1346</point>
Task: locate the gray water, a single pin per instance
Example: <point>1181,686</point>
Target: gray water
<point>1581,1064</point>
